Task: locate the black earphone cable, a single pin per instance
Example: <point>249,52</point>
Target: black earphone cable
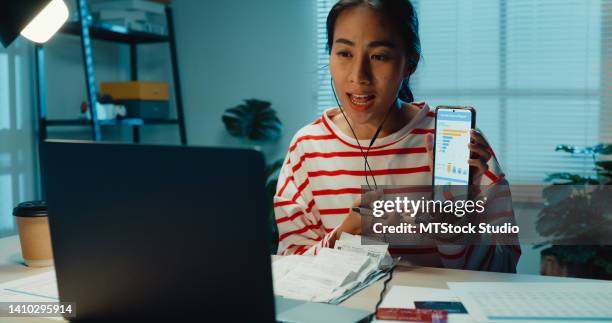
<point>354,135</point>
<point>366,166</point>
<point>384,289</point>
<point>365,157</point>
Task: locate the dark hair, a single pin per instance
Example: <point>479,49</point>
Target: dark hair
<point>402,17</point>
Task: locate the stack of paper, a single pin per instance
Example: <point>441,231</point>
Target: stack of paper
<point>334,274</point>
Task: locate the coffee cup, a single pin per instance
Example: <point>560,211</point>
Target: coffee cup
<point>33,225</point>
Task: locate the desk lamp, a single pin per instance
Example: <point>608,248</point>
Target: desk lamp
<point>36,20</point>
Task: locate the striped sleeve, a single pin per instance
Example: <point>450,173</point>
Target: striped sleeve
<point>488,254</point>
<point>300,230</point>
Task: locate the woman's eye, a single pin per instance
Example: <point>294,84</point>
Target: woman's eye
<point>381,58</point>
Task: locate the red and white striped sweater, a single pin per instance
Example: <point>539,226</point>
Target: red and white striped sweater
<point>323,174</point>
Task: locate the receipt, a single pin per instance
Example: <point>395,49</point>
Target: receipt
<point>377,252</point>
<point>313,282</point>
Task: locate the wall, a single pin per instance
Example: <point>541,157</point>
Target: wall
<point>235,50</point>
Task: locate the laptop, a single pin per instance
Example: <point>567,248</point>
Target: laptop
<point>149,233</point>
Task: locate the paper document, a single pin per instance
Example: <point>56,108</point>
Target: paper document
<point>528,302</point>
<point>281,267</point>
<point>333,274</point>
<point>312,282</point>
<point>366,246</point>
<point>354,262</point>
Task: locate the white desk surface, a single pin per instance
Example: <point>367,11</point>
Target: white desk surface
<point>12,267</point>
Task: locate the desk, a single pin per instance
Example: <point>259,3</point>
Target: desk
<point>12,267</point>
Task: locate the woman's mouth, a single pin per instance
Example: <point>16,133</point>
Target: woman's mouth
<point>361,102</point>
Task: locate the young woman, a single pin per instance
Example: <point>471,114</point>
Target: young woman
<point>374,48</point>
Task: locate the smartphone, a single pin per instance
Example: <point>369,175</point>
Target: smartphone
<point>451,152</point>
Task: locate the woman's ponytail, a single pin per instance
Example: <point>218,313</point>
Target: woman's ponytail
<point>405,94</point>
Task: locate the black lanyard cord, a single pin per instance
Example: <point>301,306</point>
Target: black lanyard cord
<point>366,165</point>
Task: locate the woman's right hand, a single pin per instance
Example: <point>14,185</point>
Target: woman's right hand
<point>353,221</point>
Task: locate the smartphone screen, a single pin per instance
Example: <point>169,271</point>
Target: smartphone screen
<point>451,152</point>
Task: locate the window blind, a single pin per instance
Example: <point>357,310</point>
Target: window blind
<point>537,72</point>
<point>325,98</point>
<point>17,168</point>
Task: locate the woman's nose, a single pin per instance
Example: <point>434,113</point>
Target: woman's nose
<point>361,72</point>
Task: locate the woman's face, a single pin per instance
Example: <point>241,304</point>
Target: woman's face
<point>367,64</point>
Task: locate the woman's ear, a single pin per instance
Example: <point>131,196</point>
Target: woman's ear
<point>408,70</point>
<point>410,67</point>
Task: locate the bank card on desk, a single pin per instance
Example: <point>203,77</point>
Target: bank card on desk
<point>450,307</point>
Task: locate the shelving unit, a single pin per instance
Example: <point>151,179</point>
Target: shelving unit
<point>87,30</point>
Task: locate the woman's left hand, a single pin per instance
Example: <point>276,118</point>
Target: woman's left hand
<point>479,156</point>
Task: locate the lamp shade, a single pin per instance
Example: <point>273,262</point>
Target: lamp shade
<point>36,20</point>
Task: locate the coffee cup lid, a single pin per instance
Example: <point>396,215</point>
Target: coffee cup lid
<point>31,209</point>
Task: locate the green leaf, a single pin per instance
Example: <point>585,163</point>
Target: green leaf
<point>587,150</point>
<point>603,149</point>
<point>605,164</point>
<point>566,148</point>
<point>254,119</point>
<point>569,178</point>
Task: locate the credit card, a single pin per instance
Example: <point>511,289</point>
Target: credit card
<point>450,307</point>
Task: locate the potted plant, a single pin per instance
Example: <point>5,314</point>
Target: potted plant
<point>257,122</point>
<point>578,209</point>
